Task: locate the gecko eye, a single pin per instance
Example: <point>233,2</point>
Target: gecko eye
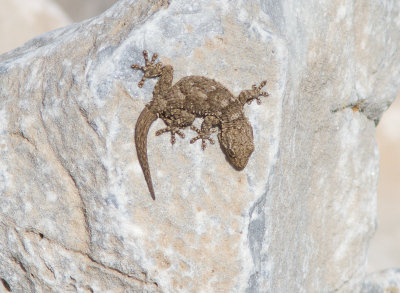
<point>230,153</point>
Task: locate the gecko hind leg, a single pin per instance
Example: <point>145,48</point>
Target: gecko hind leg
<point>175,121</point>
<point>173,130</point>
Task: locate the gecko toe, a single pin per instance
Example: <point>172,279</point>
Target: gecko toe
<point>173,131</point>
<point>150,69</point>
<point>203,135</point>
<point>256,93</point>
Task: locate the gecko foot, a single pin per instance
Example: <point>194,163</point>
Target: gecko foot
<point>203,135</point>
<point>173,130</point>
<point>149,69</point>
<point>256,93</point>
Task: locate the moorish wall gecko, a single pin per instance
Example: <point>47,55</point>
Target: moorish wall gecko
<point>195,97</point>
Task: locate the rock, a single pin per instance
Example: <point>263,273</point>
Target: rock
<point>386,281</point>
<point>75,211</point>
<point>22,20</point>
<point>80,10</point>
<point>384,249</point>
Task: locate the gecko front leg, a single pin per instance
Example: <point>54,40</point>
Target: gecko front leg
<point>150,69</point>
<point>247,96</point>
<point>205,132</point>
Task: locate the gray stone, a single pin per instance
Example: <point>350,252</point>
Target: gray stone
<point>387,281</point>
<point>75,212</point>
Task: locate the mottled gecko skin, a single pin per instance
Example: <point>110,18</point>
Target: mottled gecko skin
<point>195,97</point>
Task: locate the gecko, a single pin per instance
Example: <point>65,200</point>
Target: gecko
<point>194,97</point>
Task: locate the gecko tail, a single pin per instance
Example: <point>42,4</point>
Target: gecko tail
<point>146,118</point>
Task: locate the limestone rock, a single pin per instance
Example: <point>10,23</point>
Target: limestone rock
<point>387,281</point>
<point>75,212</point>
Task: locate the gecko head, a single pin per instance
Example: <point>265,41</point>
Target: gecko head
<point>236,140</point>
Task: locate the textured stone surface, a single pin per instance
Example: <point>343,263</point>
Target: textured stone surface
<point>387,281</point>
<point>75,212</point>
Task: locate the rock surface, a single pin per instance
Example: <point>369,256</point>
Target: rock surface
<point>386,281</point>
<point>75,212</point>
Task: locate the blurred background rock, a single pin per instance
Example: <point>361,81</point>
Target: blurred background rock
<point>385,247</point>
<point>82,9</point>
<point>21,20</point>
